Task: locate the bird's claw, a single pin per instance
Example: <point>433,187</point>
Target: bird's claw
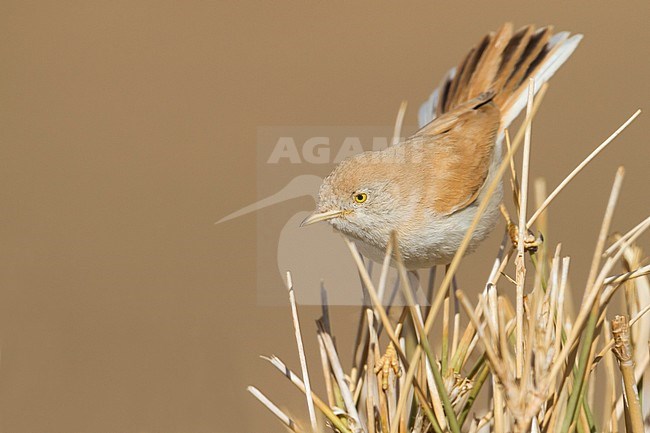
<point>387,362</point>
<point>531,242</point>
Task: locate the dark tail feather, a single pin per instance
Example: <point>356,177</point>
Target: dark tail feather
<point>501,64</point>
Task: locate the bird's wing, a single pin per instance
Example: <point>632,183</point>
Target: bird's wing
<point>429,109</point>
<point>456,153</point>
<point>502,62</point>
<point>495,71</point>
<point>475,75</point>
<point>449,119</point>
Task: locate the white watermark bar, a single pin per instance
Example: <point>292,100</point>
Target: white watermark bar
<point>291,164</point>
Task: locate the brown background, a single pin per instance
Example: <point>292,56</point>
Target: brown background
<point>128,128</point>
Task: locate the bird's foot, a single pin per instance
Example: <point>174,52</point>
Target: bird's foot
<point>531,242</point>
<point>387,362</point>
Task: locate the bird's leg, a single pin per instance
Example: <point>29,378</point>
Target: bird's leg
<point>432,279</point>
<point>453,289</point>
<point>364,290</point>
<point>420,298</point>
<point>531,242</point>
<point>389,304</point>
<point>430,287</point>
<point>414,280</point>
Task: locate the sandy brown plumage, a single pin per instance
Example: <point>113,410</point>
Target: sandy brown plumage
<point>424,187</point>
<point>461,139</point>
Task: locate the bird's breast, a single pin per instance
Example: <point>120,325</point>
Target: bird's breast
<point>432,239</point>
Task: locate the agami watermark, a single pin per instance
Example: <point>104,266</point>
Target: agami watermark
<point>291,164</point>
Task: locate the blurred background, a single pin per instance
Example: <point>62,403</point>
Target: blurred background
<point>128,128</point>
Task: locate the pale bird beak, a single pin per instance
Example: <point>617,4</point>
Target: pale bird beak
<point>320,216</point>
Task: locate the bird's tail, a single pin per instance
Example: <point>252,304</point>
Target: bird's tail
<point>501,64</point>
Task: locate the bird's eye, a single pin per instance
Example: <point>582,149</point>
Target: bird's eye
<point>360,197</point>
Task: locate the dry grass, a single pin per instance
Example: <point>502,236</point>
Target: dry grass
<point>532,364</point>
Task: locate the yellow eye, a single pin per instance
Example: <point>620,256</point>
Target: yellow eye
<point>360,197</point>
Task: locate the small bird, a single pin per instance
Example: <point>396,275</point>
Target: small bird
<point>427,187</point>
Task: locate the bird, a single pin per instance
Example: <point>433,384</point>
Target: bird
<point>426,189</point>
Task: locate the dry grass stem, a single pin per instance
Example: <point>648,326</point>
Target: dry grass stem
<point>625,357</point>
<point>517,358</point>
<point>519,261</point>
<point>301,352</point>
<point>284,418</point>
<point>579,168</point>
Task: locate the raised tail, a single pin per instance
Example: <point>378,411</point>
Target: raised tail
<point>501,64</point>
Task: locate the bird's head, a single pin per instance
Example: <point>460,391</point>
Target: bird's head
<point>362,197</point>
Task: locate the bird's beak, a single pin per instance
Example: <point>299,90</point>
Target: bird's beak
<point>320,216</point>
